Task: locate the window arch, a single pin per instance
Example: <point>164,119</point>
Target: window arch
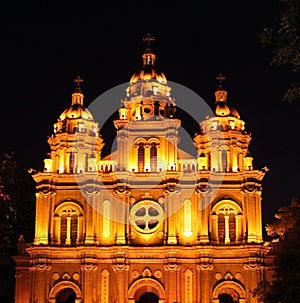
<point>68,224</point>
<point>226,224</point>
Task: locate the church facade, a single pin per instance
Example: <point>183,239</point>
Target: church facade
<point>149,222</point>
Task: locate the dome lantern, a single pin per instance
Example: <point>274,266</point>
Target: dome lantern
<point>222,107</point>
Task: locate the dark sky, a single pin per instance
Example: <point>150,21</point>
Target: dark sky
<point>44,48</point>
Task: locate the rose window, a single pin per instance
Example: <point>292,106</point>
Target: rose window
<point>146,216</point>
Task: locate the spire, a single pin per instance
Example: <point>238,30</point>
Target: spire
<point>220,94</point>
<point>77,96</point>
<point>220,78</point>
<point>148,56</point>
<point>148,39</point>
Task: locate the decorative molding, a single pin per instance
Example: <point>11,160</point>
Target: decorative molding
<point>205,266</point>
<point>89,267</point>
<point>228,276</point>
<point>172,267</point>
<point>146,272</point>
<point>42,267</point>
<point>66,276</point>
<point>158,274</point>
<point>120,267</point>
<point>252,266</point>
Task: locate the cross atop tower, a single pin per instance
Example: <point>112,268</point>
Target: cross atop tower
<point>148,39</point>
<point>220,77</point>
<point>78,80</point>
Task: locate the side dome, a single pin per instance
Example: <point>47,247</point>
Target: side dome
<point>76,111</point>
<point>223,109</point>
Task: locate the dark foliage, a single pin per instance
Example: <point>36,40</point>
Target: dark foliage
<point>285,232</point>
<point>283,39</point>
<point>17,211</point>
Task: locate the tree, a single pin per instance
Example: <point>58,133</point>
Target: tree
<point>283,38</point>
<point>285,232</point>
<point>17,210</point>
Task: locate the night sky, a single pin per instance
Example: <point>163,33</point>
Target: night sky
<point>45,48</point>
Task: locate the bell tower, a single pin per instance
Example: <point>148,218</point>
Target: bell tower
<point>223,150</point>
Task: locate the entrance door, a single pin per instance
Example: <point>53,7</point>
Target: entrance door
<point>225,298</point>
<point>148,297</point>
<point>66,296</point>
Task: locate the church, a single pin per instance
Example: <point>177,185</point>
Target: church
<point>149,222</point>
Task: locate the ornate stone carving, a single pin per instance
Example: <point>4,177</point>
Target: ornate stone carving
<point>147,272</point>
<point>172,267</point>
<point>120,267</point>
<point>251,266</point>
<point>66,276</point>
<point>158,274</point>
<point>55,276</point>
<point>134,274</point>
<point>89,267</point>
<point>228,276</point>
<point>205,266</point>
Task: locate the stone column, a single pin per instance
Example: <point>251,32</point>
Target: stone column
<point>89,282</point>
<point>172,284</point>
<point>205,270</point>
<point>121,271</point>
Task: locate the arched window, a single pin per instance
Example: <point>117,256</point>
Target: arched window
<point>153,157</point>
<point>141,157</point>
<point>227,226</point>
<point>106,219</point>
<point>86,162</point>
<point>68,224</point>
<point>187,218</point>
<point>221,227</point>
<point>224,160</point>
<point>69,227</point>
<point>72,162</point>
<point>232,227</point>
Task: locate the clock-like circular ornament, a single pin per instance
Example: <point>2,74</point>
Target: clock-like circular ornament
<point>146,216</point>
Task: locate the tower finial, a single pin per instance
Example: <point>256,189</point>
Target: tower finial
<point>148,39</point>
<point>78,80</point>
<point>220,78</point>
<point>220,93</point>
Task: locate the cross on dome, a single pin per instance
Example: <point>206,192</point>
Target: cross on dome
<point>148,39</point>
<point>78,80</point>
<point>220,77</point>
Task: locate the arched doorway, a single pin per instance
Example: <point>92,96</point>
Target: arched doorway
<point>229,292</point>
<point>148,297</point>
<point>225,298</point>
<point>66,295</point>
<point>65,292</point>
<point>146,290</point>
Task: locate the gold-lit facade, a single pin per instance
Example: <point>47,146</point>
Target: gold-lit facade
<point>149,222</point>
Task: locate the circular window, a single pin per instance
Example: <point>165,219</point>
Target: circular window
<point>147,110</point>
<point>146,216</point>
